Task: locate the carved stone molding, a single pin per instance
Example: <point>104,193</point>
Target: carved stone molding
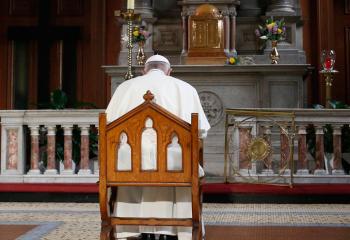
<point>212,106</point>
<point>280,7</point>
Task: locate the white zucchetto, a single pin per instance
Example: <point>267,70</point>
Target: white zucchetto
<point>157,58</point>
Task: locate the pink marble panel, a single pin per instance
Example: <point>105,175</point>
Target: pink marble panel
<point>244,140</point>
<point>12,148</point>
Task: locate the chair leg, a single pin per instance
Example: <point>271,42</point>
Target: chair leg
<point>107,232</point>
<point>197,233</point>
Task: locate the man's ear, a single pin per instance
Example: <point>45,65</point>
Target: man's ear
<point>169,71</point>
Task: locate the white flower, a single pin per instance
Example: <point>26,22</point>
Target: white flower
<point>125,38</point>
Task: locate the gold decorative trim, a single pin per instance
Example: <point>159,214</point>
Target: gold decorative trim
<point>258,149</point>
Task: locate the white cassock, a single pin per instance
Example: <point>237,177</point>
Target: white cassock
<point>181,99</point>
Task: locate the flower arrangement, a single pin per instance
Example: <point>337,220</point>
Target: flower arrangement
<point>232,57</point>
<point>274,30</point>
<point>140,34</point>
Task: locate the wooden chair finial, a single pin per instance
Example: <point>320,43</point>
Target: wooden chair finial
<point>148,96</point>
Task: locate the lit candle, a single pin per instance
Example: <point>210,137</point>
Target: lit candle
<point>131,4</point>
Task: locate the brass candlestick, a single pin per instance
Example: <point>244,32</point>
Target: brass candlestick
<point>328,74</point>
<point>128,16</point>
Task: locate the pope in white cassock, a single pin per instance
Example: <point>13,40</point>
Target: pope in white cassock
<point>181,99</point>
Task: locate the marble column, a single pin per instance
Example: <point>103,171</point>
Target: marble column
<point>84,150</point>
<point>51,150</point>
<point>68,147</point>
<point>302,150</point>
<point>233,15</point>
<point>184,33</point>
<point>281,8</point>
<point>337,166</point>
<point>34,151</point>
<point>319,151</point>
<point>227,27</point>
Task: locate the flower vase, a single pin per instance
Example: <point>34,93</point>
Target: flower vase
<point>274,55</point>
<point>141,57</point>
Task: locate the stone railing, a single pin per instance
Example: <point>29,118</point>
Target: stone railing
<point>28,140</point>
<point>29,136</point>
<point>317,157</point>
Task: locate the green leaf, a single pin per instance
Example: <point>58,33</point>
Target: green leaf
<point>338,104</point>
<point>58,99</point>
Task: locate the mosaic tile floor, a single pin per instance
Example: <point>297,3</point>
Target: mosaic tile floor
<point>68,221</point>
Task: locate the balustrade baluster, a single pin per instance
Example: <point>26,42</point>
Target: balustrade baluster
<point>51,150</point>
<point>68,170</point>
<point>337,151</point>
<point>34,151</point>
<point>319,170</point>
<point>84,151</point>
<point>302,151</point>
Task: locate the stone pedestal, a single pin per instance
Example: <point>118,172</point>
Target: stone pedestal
<point>12,144</point>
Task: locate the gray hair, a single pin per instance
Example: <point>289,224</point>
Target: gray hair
<point>157,65</point>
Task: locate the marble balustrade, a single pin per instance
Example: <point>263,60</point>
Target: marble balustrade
<point>308,165</point>
<point>24,132</point>
<point>39,129</point>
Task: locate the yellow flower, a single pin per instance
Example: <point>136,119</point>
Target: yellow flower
<point>279,31</point>
<point>269,26</point>
<point>136,33</point>
<point>232,60</point>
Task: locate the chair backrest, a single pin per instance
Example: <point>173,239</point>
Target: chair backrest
<point>121,150</point>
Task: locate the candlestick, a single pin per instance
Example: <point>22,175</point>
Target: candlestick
<point>129,16</point>
<point>327,62</point>
<point>131,4</point>
<point>328,74</point>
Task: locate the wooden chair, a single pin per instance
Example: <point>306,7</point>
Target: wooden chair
<point>166,125</point>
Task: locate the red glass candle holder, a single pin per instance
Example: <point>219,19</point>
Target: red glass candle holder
<point>328,59</point>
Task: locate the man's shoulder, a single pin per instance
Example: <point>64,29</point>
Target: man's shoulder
<point>130,82</point>
<point>181,83</point>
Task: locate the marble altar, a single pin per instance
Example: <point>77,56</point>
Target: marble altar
<point>253,84</point>
<point>241,86</point>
